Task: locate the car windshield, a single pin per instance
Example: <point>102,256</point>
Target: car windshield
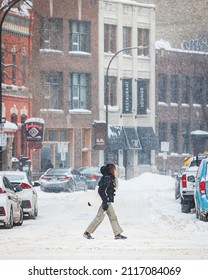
<point>91,170</point>
<point>15,177</point>
<point>60,171</point>
<point>195,162</point>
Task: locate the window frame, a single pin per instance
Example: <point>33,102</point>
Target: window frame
<point>174,88</point>
<point>52,86</point>
<point>127,39</point>
<point>162,87</point>
<point>51,34</point>
<point>110,38</point>
<point>143,39</point>
<point>112,90</point>
<point>82,95</point>
<point>198,90</point>
<point>174,137</point>
<point>82,42</point>
<point>185,89</point>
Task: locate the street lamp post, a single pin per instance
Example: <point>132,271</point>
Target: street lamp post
<point>106,152</point>
<point>3,12</point>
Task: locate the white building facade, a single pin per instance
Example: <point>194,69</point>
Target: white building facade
<point>126,38</point>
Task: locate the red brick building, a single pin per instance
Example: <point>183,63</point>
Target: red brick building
<point>16,98</point>
<point>65,80</point>
<point>181,104</point>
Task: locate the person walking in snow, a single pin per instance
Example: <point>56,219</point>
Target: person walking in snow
<point>106,190</point>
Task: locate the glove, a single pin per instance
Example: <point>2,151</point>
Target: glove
<point>105,206</point>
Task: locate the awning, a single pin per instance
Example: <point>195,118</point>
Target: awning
<point>147,138</point>
<point>10,127</point>
<point>132,138</point>
<point>116,138</point>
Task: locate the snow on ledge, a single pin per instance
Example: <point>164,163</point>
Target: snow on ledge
<point>199,132</point>
<point>80,111</point>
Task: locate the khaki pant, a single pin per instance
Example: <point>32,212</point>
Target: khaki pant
<point>99,218</point>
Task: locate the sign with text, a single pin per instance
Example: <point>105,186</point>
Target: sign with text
<point>142,87</point>
<point>164,146</point>
<point>127,95</point>
<point>34,129</point>
<point>63,147</point>
<point>99,135</point>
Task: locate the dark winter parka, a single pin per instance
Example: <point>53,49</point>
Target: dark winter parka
<point>107,185</point>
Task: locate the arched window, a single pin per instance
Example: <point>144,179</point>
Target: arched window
<point>14,148</point>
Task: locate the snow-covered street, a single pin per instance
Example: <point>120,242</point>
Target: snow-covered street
<point>147,212</point>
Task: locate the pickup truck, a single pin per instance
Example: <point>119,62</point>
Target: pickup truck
<point>187,183</point>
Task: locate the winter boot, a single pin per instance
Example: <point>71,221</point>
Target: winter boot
<point>87,235</point>
<point>119,236</point>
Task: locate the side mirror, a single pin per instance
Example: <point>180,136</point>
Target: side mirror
<point>36,184</point>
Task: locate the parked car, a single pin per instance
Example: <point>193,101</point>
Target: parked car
<point>92,176</point>
<point>201,191</point>
<point>178,177</point>
<point>28,193</point>
<point>62,180</point>
<point>11,212</point>
<point>187,183</point>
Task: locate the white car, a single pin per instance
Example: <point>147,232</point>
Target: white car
<point>28,194</point>
<point>11,212</point>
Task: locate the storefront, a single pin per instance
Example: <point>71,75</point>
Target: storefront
<point>132,149</point>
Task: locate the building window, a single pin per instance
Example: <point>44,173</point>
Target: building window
<point>51,34</point>
<point>127,39</point>
<point>14,66</point>
<point>79,36</point>
<point>185,90</point>
<point>162,87</point>
<point>185,138</point>
<point>64,135</point>
<point>52,135</point>
<point>79,91</point>
<point>174,138</point>
<point>127,96</point>
<point>53,148</point>
<point>24,65</point>
<point>14,144</point>
<point>52,85</point>
<point>162,132</point>
<point>174,88</point>
<point>23,135</point>
<point>57,135</point>
<point>198,90</point>
<point>3,64</point>
<point>112,90</point>
<point>142,96</point>
<point>110,38</point>
<point>143,41</point>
